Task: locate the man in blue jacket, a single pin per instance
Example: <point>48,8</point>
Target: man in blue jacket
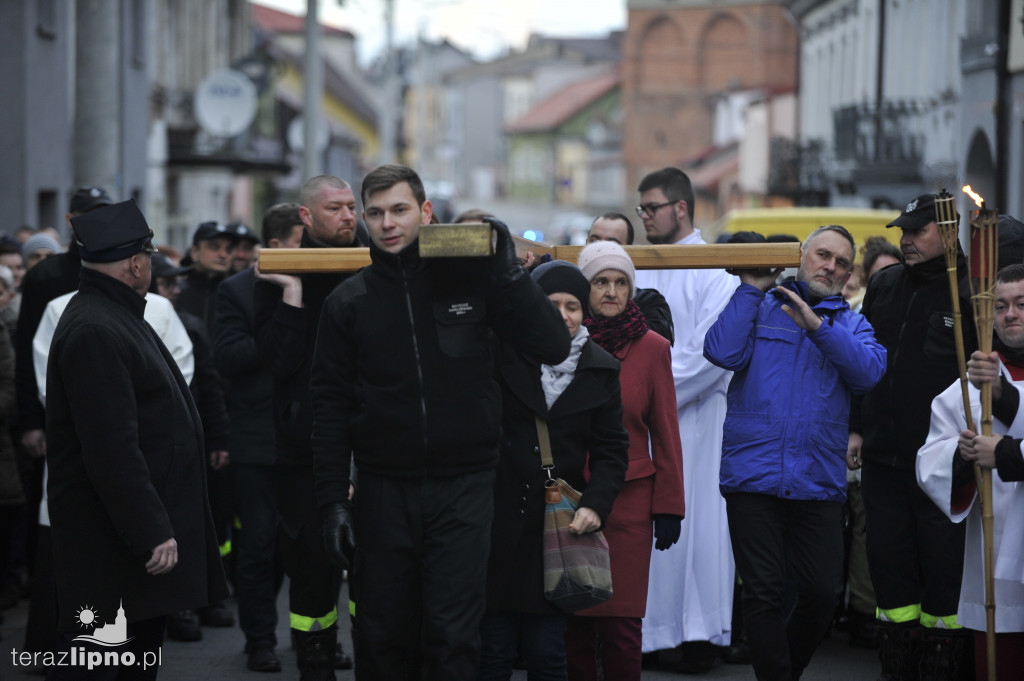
<point>798,352</point>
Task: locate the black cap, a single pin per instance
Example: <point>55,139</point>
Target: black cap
<point>8,244</point>
<point>244,233</point>
<point>165,269</point>
<point>916,214</point>
<point>86,199</point>
<point>112,233</point>
<point>1011,241</point>
<point>212,230</point>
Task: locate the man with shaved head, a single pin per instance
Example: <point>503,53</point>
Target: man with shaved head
<point>286,315</point>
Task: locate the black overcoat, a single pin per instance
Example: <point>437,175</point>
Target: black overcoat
<point>127,469</point>
<point>585,419</point>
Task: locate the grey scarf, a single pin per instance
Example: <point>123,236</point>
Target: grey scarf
<point>554,379</point>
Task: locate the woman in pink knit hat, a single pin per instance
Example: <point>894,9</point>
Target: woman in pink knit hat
<point>650,507</point>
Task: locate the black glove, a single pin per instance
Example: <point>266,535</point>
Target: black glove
<point>666,530</point>
<point>339,533</point>
<point>506,263</point>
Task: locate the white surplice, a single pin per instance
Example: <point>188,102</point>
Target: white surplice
<point>934,475</point>
<point>691,584</point>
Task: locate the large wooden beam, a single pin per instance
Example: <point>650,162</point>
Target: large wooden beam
<point>703,257</point>
<point>709,256</point>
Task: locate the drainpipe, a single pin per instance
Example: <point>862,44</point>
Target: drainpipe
<point>1003,105</point>
<point>880,79</point>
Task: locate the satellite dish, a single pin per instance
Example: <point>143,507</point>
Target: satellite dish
<point>225,103</point>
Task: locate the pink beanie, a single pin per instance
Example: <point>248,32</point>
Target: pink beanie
<point>607,255</point>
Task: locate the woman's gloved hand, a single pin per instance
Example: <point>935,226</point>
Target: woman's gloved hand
<point>666,530</point>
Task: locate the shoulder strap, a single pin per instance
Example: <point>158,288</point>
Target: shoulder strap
<point>546,461</point>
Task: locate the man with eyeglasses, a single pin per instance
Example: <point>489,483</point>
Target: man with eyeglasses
<point>133,537</point>
<point>690,597</point>
<point>618,228</point>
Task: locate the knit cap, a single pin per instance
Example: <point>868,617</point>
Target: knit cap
<point>607,255</point>
<point>37,242</point>
<point>559,276</point>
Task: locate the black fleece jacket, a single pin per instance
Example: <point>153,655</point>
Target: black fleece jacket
<point>911,311</point>
<point>403,373</point>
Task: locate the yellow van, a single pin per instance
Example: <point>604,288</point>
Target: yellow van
<point>800,222</point>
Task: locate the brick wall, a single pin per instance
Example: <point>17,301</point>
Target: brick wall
<point>676,61</point>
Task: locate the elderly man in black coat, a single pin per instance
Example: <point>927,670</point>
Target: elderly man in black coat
<point>132,531</point>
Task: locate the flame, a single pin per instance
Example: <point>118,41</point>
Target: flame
<point>974,195</point>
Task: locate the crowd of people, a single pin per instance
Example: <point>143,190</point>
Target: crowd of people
<point>769,454</point>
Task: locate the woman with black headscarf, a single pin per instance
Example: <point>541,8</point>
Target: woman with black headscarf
<point>580,400</point>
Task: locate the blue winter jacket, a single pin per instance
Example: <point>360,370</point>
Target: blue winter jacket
<point>786,428</point>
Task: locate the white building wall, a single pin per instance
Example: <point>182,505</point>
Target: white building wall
<point>921,75</point>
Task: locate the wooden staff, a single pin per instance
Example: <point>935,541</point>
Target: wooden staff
<point>983,262</point>
<point>946,219</point>
<point>705,256</point>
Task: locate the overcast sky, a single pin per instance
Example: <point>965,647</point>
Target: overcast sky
<point>484,27</point>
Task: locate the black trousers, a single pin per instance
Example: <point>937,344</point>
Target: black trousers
<point>146,638</point>
<point>769,533</point>
<point>41,634</point>
<point>314,582</point>
<point>915,553</point>
<point>422,571</point>
<point>255,549</point>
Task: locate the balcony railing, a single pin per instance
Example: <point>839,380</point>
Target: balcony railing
<point>245,152</point>
<point>891,133</point>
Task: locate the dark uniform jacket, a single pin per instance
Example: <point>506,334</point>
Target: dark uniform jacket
<point>206,387</point>
<point>126,461</point>
<point>585,429</point>
<point>285,338</point>
<point>249,383</point>
<point>403,371</point>
<point>50,279</point>
<point>11,491</point>
<point>911,311</point>
<point>197,298</point>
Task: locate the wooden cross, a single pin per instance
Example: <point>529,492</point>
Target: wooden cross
<point>701,256</point>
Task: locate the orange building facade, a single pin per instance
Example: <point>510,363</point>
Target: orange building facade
<point>682,56</point>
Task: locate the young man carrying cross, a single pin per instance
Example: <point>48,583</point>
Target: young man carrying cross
<point>402,384</point>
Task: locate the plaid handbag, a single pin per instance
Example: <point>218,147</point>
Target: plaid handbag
<point>577,568</point>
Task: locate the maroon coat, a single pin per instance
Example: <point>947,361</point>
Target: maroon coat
<point>654,479</point>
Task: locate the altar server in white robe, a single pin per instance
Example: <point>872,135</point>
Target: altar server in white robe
<point>691,584</point>
<point>945,472</point>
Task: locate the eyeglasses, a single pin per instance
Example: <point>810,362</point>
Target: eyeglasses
<point>651,208</point>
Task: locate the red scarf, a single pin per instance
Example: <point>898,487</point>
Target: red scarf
<point>613,333</point>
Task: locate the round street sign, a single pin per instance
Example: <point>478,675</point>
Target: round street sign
<point>225,103</point>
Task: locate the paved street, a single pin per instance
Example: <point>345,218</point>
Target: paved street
<point>219,657</point>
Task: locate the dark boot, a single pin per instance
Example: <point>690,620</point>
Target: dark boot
<point>947,655</point>
<point>216,615</point>
<point>184,626</point>
<point>314,652</point>
<point>697,657</point>
<point>863,630</point>
<point>896,650</point>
